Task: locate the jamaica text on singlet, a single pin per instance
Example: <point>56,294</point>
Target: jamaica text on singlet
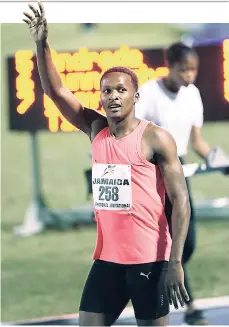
<point>111,186</point>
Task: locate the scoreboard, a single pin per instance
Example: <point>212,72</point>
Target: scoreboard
<point>31,110</point>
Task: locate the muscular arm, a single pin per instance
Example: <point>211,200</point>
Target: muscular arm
<point>175,185</point>
<point>87,120</point>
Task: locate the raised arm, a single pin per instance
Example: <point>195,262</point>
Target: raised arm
<point>87,120</point>
<point>172,172</point>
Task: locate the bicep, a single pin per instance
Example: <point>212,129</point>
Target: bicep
<point>83,118</point>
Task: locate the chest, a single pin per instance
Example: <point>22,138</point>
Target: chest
<point>127,153</point>
<point>108,151</point>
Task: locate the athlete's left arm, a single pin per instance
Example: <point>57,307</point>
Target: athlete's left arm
<point>174,180</point>
<point>165,151</point>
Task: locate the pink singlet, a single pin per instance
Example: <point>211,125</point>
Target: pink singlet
<point>129,198</point>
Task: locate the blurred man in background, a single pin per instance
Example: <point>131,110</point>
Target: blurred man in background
<point>175,103</point>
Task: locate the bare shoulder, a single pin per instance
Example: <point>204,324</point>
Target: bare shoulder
<point>159,139</point>
<point>98,121</point>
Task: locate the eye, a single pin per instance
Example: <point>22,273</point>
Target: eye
<point>121,89</point>
<point>106,91</point>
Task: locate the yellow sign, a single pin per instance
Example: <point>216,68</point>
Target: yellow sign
<point>77,74</point>
<point>24,83</point>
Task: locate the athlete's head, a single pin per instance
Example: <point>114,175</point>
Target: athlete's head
<point>119,92</point>
<point>183,63</point>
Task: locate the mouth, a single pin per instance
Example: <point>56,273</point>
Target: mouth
<point>114,107</point>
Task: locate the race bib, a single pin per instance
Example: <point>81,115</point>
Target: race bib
<point>111,186</point>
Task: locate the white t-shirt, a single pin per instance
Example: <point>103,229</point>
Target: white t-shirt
<point>177,112</point>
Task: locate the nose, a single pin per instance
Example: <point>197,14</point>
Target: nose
<point>191,76</point>
<point>114,95</point>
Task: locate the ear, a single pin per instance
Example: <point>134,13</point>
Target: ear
<point>136,97</point>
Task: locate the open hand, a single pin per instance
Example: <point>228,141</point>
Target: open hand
<point>175,285</point>
<point>37,23</point>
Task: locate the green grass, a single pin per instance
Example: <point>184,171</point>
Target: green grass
<point>210,265</point>
<point>44,275</point>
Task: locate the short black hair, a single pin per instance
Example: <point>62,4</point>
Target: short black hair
<point>177,53</point>
<point>120,69</point>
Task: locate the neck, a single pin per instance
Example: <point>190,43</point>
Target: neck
<point>170,85</point>
<point>123,127</point>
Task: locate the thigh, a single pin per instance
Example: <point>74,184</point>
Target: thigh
<point>105,293</point>
<point>146,284</point>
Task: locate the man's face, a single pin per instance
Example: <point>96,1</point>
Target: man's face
<point>185,73</point>
<point>118,95</point>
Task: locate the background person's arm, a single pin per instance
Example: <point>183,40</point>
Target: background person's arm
<point>199,145</point>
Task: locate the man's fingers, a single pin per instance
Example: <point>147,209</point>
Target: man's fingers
<point>26,21</point>
<point>174,298</point>
<point>179,296</point>
<point>34,10</point>
<point>42,9</point>
<point>184,293</point>
<point>28,15</point>
<point>169,295</point>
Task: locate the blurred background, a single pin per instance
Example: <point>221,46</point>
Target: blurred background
<point>44,271</point>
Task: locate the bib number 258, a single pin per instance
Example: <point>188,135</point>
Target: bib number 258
<point>108,193</point>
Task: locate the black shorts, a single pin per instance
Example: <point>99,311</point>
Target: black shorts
<point>110,286</point>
